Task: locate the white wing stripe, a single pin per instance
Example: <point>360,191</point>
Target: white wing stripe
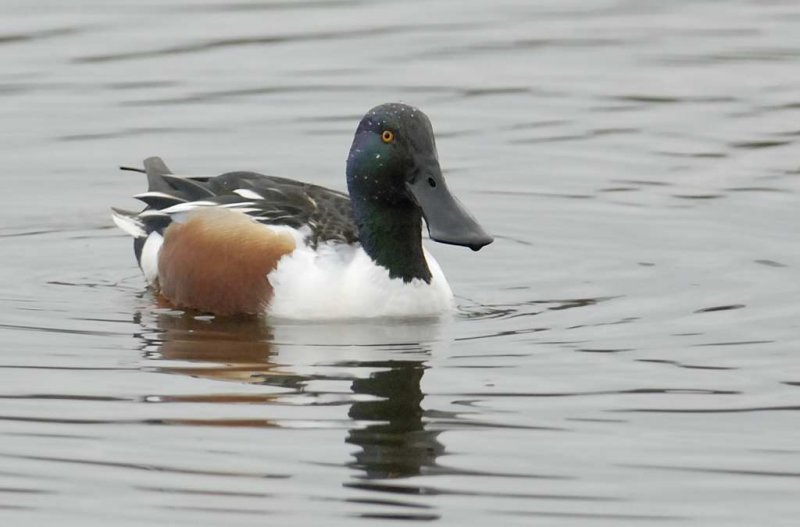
<point>248,194</point>
<point>185,207</point>
<point>156,194</point>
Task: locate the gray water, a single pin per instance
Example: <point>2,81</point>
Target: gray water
<point>625,353</point>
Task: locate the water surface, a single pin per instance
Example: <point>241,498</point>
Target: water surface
<point>624,354</point>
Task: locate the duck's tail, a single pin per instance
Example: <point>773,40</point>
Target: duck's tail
<point>129,222</point>
<point>160,195</point>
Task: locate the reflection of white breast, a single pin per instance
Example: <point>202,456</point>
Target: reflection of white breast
<point>341,281</point>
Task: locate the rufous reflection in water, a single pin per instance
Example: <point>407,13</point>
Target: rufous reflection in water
<point>385,404</point>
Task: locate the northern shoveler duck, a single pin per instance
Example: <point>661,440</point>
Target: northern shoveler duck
<point>246,243</point>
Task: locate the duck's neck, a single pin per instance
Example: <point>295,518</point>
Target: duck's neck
<point>392,236</point>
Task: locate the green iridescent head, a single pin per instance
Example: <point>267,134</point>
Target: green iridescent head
<point>393,168</point>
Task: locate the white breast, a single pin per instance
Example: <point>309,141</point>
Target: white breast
<point>341,281</point>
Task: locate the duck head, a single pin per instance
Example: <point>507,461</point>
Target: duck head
<point>393,164</point>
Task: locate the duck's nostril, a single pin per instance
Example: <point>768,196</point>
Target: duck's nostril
<point>432,182</point>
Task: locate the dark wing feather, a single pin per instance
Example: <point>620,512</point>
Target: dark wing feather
<point>327,213</point>
<point>187,188</point>
<point>270,200</point>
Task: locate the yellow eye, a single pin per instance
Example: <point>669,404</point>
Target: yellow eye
<point>387,136</point>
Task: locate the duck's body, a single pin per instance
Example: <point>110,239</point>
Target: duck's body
<point>341,281</point>
<point>246,243</point>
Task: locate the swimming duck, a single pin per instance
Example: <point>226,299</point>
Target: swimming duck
<point>247,243</point>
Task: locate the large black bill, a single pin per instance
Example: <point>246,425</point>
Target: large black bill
<point>448,221</point>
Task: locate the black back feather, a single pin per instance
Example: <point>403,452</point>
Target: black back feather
<point>326,213</point>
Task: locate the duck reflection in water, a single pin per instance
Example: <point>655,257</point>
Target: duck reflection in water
<point>385,405</point>
<point>396,443</point>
